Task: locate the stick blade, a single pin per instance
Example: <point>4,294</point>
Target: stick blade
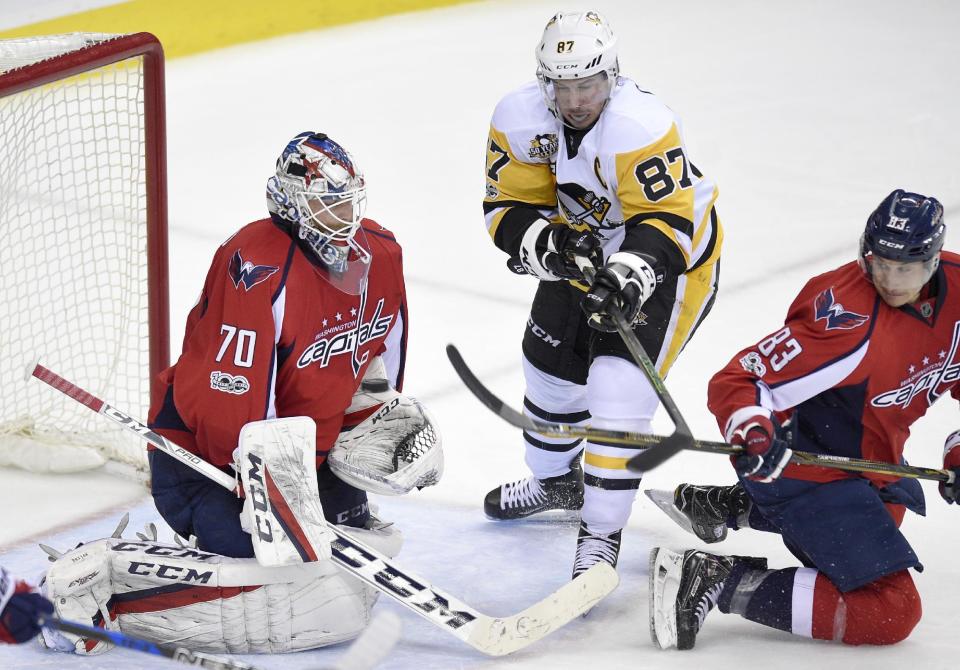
<point>498,637</point>
<point>470,380</point>
<point>485,395</point>
<point>669,447</point>
<point>373,645</point>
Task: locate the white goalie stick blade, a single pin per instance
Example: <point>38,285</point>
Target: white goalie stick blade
<point>489,635</point>
<point>664,500</point>
<point>373,645</point>
<point>665,572</point>
<point>493,636</point>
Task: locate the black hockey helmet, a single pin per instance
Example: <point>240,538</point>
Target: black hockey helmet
<point>906,227</point>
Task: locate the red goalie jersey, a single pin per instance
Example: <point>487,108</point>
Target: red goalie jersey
<point>271,337</point>
<point>852,372</point>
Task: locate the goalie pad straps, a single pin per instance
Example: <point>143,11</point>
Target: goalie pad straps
<point>206,602</point>
<point>282,508</point>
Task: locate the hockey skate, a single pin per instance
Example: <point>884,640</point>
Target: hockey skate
<point>704,510</point>
<point>593,548</point>
<point>528,496</point>
<point>684,587</point>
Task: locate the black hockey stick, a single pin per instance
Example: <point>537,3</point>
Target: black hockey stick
<point>682,437</point>
<point>628,439</point>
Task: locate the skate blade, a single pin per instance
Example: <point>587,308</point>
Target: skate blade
<point>547,516</point>
<point>664,500</point>
<point>665,572</point>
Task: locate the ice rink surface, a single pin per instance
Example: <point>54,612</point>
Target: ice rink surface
<point>806,115</point>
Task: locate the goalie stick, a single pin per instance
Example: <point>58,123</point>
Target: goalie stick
<point>371,647</point>
<point>490,635</point>
<point>640,440</point>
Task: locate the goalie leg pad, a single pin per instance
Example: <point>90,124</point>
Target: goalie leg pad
<point>205,602</point>
<point>282,508</point>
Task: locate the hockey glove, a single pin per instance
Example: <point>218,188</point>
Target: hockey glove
<point>951,461</point>
<point>764,455</point>
<point>548,251</point>
<point>20,608</point>
<point>619,289</point>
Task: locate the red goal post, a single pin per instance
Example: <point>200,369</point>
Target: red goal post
<point>83,239</point>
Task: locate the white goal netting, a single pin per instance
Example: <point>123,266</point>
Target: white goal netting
<point>73,253</point>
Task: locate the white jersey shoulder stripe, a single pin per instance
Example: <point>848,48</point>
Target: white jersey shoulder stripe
<point>792,393</point>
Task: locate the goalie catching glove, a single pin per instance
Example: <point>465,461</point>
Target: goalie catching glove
<point>395,449</point>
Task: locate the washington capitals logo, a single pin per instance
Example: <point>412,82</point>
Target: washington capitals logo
<point>825,307</point>
<point>248,274</point>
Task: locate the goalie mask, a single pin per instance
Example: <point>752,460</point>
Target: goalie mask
<point>321,192</point>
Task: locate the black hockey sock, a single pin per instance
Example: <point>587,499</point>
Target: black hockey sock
<point>763,596</point>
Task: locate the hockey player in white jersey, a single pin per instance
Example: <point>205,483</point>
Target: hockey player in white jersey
<point>584,163</point>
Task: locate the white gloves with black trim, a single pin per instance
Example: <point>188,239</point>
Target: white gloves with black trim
<point>548,251</point>
<point>619,289</point>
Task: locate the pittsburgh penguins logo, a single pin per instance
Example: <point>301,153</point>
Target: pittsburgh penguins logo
<point>580,206</point>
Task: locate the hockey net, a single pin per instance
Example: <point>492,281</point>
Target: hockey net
<point>82,242</point>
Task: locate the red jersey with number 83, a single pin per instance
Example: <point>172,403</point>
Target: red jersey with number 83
<point>851,372</point>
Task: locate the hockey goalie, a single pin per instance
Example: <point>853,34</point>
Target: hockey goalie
<point>290,380</point>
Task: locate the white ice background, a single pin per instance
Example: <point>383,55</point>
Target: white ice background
<point>806,113</point>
